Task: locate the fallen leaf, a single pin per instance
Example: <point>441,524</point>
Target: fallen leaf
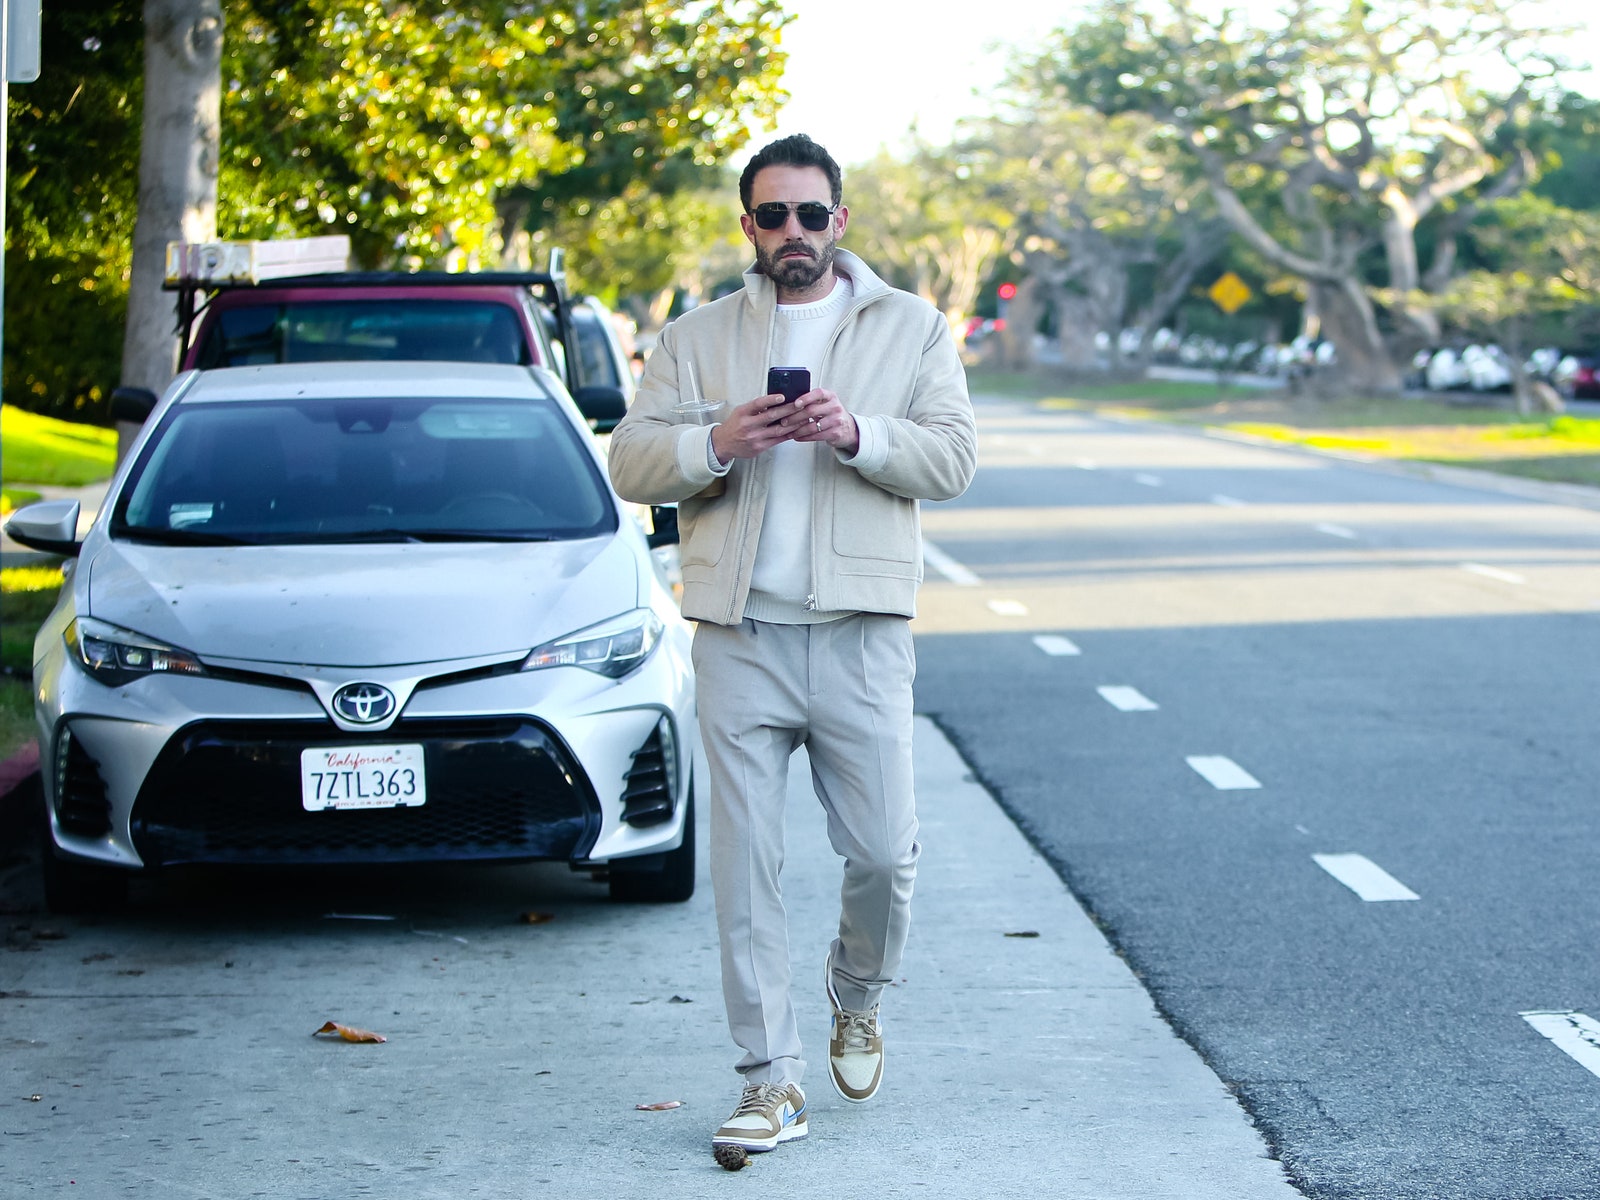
<point>730,1157</point>
<point>659,1106</point>
<point>680,1000</point>
<point>349,1033</point>
<point>1024,933</point>
<point>536,918</point>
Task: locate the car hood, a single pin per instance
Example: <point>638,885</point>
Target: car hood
<point>383,605</point>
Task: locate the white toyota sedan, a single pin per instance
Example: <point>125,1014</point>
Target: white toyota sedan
<point>353,613</point>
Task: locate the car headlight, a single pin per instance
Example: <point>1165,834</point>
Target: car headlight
<point>611,648</point>
<point>117,656</point>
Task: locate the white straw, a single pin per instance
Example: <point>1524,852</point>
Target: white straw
<point>694,384</point>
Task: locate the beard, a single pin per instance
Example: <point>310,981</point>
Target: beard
<point>796,274</point>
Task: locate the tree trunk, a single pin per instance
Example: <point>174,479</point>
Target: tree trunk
<point>178,151</point>
<point>1349,322</point>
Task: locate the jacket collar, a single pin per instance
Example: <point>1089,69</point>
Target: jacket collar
<point>763,294</point>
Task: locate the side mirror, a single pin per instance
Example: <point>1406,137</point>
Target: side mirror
<point>603,407</point>
<point>132,404</point>
<point>664,525</point>
<point>50,525</point>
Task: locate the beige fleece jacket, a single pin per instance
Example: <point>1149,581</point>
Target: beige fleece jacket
<point>894,366</point>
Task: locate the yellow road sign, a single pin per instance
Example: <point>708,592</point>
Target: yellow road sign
<point>1230,293</point>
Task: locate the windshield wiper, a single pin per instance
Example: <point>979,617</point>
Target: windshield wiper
<point>421,535</point>
<point>181,537</point>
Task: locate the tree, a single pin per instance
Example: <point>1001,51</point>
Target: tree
<point>72,192</point>
<point>1543,281</point>
<point>427,134</point>
<point>1354,124</point>
<point>433,138</point>
<point>1112,225</point>
<point>178,147</point>
<point>930,223</point>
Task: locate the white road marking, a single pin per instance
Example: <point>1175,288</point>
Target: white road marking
<point>947,566</point>
<point>1088,464</point>
<point>1128,699</point>
<point>1222,773</point>
<point>1493,573</point>
<point>1228,501</point>
<point>1009,608</point>
<point>1364,877</point>
<point>1054,643</point>
<point>1148,480</point>
<point>1338,531</point>
<point>1575,1033</point>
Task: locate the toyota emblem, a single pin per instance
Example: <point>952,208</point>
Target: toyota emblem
<point>364,703</point>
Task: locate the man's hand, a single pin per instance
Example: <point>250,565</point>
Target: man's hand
<point>820,417</point>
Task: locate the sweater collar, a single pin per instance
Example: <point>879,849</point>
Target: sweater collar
<point>763,294</point>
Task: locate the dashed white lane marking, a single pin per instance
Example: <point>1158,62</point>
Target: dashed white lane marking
<point>1222,773</point>
<point>1128,699</point>
<point>1054,643</point>
<point>1364,877</point>
<point>1493,573</point>
<point>1148,480</point>
<point>947,566</point>
<point>1575,1033</point>
<point>1008,608</point>
<point>1332,530</point>
<point>1228,501</point>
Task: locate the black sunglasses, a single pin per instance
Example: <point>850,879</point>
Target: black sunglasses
<point>813,214</point>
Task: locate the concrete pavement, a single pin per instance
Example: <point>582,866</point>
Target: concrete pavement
<point>171,1048</point>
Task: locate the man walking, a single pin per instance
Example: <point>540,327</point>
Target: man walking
<point>801,556</point>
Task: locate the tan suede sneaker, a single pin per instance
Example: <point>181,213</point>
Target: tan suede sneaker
<point>768,1113</point>
<point>855,1049</point>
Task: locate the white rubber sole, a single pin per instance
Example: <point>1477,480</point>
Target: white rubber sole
<point>788,1133</point>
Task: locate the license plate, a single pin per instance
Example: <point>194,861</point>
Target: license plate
<point>362,777</point>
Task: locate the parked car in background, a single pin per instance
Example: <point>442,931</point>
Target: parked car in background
<point>350,613</point>
<point>1576,378</point>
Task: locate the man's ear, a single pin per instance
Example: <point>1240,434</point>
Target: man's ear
<point>748,224</point>
<point>841,218</point>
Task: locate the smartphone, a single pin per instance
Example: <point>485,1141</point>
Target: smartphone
<point>790,382</point>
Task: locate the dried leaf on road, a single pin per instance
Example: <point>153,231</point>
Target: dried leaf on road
<point>659,1106</point>
<point>536,918</point>
<point>350,1033</point>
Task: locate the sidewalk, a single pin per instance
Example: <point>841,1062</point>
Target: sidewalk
<point>1018,1066</point>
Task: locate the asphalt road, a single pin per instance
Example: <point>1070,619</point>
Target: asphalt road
<point>1229,692</point>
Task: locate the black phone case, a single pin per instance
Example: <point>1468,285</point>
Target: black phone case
<point>790,382</point>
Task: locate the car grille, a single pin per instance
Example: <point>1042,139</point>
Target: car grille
<point>229,792</point>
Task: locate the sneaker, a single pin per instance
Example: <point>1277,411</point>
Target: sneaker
<point>855,1048</point>
<point>768,1113</point>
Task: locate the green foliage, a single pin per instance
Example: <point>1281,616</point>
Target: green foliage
<point>72,189</point>
<point>40,449</point>
<point>412,129</point>
<point>415,128</point>
<point>16,713</point>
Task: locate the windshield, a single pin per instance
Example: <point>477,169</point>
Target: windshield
<point>308,470</point>
<point>357,330</point>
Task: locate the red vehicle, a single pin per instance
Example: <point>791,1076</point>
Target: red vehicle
<point>292,301</point>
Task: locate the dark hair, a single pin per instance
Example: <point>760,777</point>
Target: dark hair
<point>795,151</point>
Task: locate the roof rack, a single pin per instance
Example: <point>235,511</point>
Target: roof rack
<point>313,262</point>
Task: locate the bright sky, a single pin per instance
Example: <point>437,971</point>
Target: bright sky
<point>862,72</point>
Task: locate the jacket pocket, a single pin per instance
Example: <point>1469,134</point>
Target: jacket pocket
<point>705,525</point>
<point>870,523</point>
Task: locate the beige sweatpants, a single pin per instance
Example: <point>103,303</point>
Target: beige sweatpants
<point>842,689</point>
